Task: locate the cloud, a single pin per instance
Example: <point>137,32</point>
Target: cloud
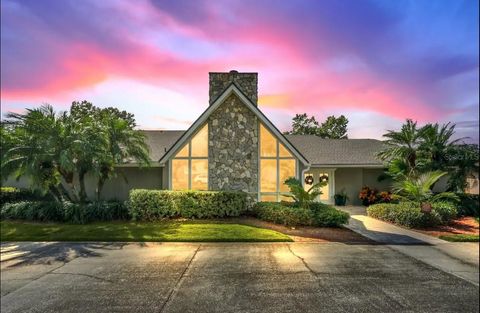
<point>379,57</point>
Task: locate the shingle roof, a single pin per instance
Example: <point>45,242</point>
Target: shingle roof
<point>160,141</point>
<point>321,151</point>
<point>318,151</point>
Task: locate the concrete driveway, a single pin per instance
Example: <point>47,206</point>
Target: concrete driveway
<point>225,277</point>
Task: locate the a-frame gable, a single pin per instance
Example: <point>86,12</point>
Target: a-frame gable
<point>232,89</point>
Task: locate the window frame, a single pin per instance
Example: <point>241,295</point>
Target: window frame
<point>278,194</point>
<point>189,157</point>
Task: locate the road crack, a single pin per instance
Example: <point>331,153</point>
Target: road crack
<point>303,261</point>
<point>179,281</point>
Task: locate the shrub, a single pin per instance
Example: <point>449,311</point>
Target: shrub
<point>469,204</point>
<point>409,214</point>
<point>13,194</point>
<point>51,211</point>
<point>150,205</point>
<point>371,196</point>
<point>318,214</point>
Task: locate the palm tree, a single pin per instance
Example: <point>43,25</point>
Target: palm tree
<point>34,143</point>
<point>419,189</point>
<point>464,161</point>
<point>436,145</point>
<point>301,196</point>
<point>124,143</point>
<point>402,145</point>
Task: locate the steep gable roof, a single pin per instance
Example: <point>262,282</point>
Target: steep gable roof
<point>231,89</point>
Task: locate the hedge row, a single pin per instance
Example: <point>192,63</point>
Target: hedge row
<point>318,214</point>
<point>409,214</point>
<point>151,205</point>
<point>13,194</point>
<point>51,211</point>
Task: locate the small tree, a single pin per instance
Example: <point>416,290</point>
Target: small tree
<point>419,189</point>
<point>301,196</point>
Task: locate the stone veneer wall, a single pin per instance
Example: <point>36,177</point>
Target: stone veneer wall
<point>247,83</point>
<point>233,147</point>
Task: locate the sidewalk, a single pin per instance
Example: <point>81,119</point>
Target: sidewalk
<point>459,259</point>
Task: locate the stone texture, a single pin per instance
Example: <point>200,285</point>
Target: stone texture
<point>247,83</point>
<point>233,147</point>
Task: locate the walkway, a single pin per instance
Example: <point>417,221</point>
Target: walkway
<point>460,259</point>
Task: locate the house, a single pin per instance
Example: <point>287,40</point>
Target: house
<point>234,146</point>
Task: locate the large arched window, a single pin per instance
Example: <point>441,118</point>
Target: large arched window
<point>190,164</point>
<point>276,165</point>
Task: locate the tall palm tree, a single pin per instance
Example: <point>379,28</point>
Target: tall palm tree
<point>34,143</point>
<point>124,143</point>
<point>402,145</point>
<point>436,145</point>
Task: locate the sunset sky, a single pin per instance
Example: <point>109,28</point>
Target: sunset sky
<point>376,62</point>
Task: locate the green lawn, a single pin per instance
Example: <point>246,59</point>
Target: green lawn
<point>460,238</point>
<point>131,231</point>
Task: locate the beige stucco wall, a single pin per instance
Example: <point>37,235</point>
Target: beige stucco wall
<point>118,187</point>
<point>127,178</point>
<point>353,179</point>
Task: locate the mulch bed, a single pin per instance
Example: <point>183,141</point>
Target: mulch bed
<point>307,233</point>
<point>462,225</point>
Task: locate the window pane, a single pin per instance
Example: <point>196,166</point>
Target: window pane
<point>268,175</point>
<point>183,152</point>
<point>287,169</point>
<point>283,152</point>
<point>179,174</point>
<point>268,198</point>
<point>200,143</point>
<point>200,174</point>
<point>268,143</point>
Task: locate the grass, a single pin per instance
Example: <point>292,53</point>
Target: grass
<point>190,231</point>
<point>460,238</point>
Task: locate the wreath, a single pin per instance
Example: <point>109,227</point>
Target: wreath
<point>323,178</point>
<point>309,180</point>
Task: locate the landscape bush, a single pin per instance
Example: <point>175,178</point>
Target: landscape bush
<point>151,205</point>
<point>469,204</point>
<point>410,214</point>
<point>68,212</point>
<point>317,214</point>
<point>13,194</point>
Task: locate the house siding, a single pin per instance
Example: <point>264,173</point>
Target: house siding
<point>233,147</point>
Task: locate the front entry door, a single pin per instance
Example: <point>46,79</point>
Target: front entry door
<point>317,175</point>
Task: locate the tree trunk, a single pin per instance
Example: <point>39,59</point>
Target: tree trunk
<point>81,180</point>
<point>100,183</point>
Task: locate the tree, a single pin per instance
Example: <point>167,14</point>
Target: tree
<point>124,143</point>
<point>333,127</point>
<point>464,161</point>
<point>303,125</point>
<point>54,149</point>
<point>436,145</point>
<point>402,145</point>
<point>34,142</point>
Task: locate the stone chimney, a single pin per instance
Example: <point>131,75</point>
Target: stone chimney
<point>246,82</point>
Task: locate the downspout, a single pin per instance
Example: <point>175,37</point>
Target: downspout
<point>303,175</point>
